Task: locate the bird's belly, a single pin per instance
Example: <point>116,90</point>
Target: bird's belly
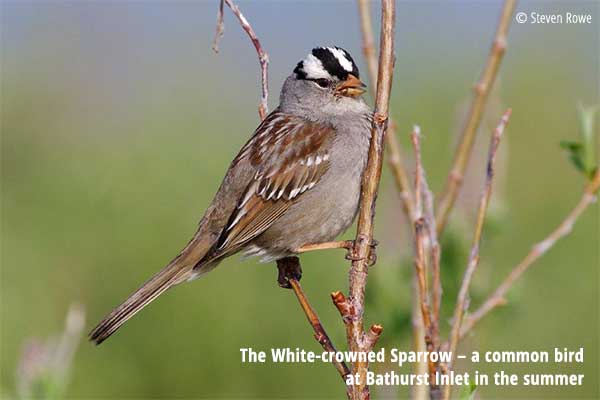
<point>320,215</point>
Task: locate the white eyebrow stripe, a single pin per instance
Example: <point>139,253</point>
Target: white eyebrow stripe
<point>341,57</point>
<point>313,67</point>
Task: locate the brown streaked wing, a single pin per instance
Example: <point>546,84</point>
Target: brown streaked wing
<point>291,155</point>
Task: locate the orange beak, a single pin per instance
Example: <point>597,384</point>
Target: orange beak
<point>351,87</point>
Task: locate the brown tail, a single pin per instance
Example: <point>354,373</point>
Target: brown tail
<point>138,300</point>
<point>178,270</point>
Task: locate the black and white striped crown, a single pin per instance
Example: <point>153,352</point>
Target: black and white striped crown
<point>326,63</point>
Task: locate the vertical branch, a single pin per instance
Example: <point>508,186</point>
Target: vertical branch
<point>263,58</point>
<point>462,302</point>
<point>435,255</point>
<point>538,250</point>
<point>424,233</point>
<point>391,143</point>
<point>434,261</point>
<point>418,392</point>
<point>368,40</point>
<point>481,91</point>
<point>420,266</point>
<point>352,309</point>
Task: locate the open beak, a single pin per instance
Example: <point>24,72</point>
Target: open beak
<point>351,87</point>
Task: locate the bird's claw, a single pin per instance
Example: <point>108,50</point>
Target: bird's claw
<point>372,259</point>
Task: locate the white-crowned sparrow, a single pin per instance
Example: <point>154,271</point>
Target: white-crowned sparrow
<point>295,182</point>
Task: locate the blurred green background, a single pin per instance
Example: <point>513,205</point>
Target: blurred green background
<point>118,122</point>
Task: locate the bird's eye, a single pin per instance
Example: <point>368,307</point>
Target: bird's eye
<point>322,82</point>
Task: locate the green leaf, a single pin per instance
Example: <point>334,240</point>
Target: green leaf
<point>587,116</point>
<point>468,391</point>
<point>576,153</point>
<point>583,154</point>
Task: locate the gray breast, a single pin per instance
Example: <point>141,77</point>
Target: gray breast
<point>327,210</point>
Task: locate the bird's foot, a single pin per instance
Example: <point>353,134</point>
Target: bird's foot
<point>343,244</point>
<point>289,268</point>
<point>353,256</point>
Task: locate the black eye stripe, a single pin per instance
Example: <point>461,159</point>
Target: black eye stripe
<point>321,82</point>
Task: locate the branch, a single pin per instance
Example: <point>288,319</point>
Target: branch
<point>462,302</point>
<point>538,250</point>
<point>418,392</point>
<point>392,146</point>
<point>320,334</point>
<point>481,91</point>
<point>358,341</point>
<point>435,255</point>
<point>290,273</point>
<point>420,266</point>
<point>263,58</point>
<point>424,233</point>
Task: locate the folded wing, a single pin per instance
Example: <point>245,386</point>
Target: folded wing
<point>291,155</point>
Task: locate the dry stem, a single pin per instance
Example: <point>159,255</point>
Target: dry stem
<point>420,266</point>
<point>358,340</point>
<point>418,392</point>
<point>462,302</point>
<point>320,334</point>
<point>435,255</point>
<point>481,91</point>
<point>538,250</point>
<point>263,58</point>
<point>290,272</point>
<point>424,233</point>
<point>393,148</point>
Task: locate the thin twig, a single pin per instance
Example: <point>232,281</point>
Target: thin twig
<point>435,255</point>
<point>420,266</point>
<point>462,302</point>
<point>220,29</point>
<point>434,264</point>
<point>391,143</point>
<point>415,137</point>
<point>320,334</point>
<point>263,57</point>
<point>289,276</point>
<point>358,340</point>
<point>538,250</point>
<point>481,91</point>
<point>418,392</point>
<point>422,229</point>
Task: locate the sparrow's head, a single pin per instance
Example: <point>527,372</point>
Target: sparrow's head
<point>327,77</point>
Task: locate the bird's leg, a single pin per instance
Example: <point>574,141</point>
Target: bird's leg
<point>289,269</point>
<point>343,244</point>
